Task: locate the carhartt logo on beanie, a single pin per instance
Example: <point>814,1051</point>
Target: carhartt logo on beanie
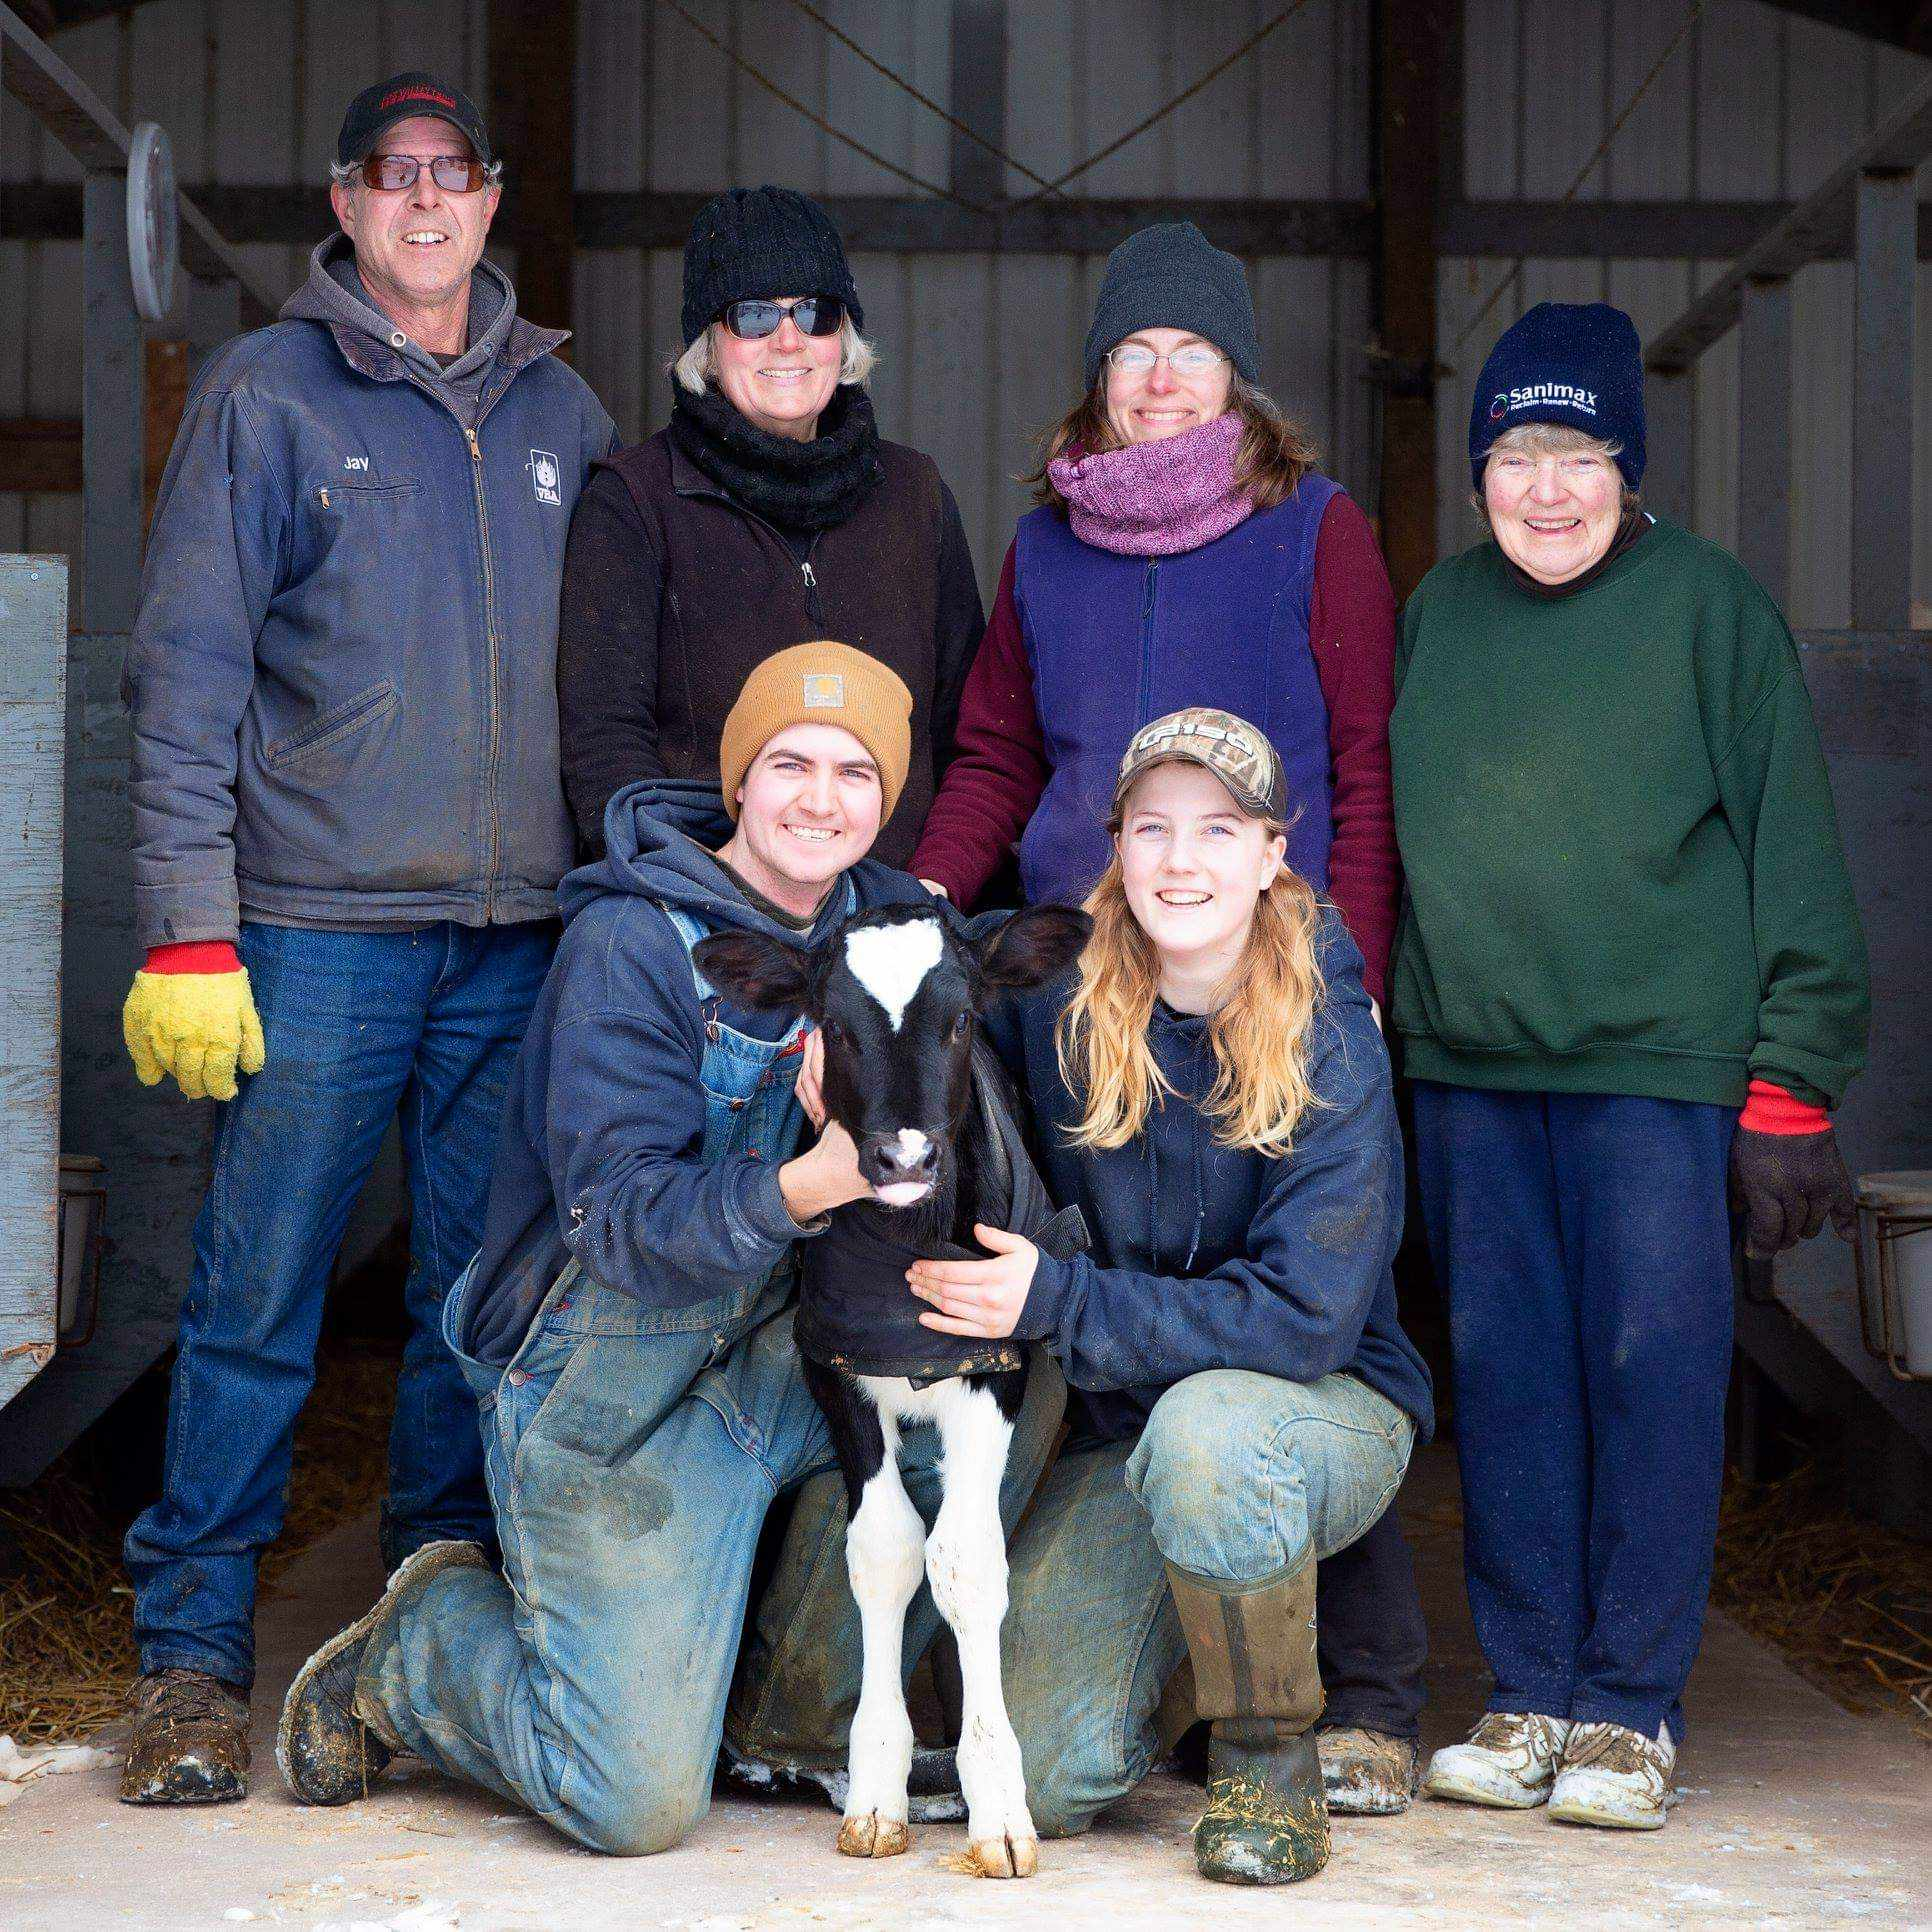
<point>821,683</point>
<point>1579,364</point>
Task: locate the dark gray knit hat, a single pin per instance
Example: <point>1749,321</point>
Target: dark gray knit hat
<point>1171,276</point>
<point>758,243</point>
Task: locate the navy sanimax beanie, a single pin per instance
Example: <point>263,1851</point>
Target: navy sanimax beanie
<point>1575,363</point>
<point>1170,276</point>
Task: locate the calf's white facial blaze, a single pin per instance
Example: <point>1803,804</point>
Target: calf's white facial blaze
<point>891,962</point>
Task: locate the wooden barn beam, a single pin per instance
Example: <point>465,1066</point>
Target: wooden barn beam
<point>533,121</point>
<point>1819,228</point>
<point>1898,23</point>
<point>1764,437</point>
<point>40,454</point>
<point>979,97</point>
<point>1414,41</point>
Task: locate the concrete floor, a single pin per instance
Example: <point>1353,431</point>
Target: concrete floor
<point>1794,1814</point>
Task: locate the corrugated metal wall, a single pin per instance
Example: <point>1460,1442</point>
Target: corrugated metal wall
<point>1758,104</point>
<point>250,91</point>
<point>980,352</point>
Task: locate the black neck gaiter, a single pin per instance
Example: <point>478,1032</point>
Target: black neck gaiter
<point>799,486</point>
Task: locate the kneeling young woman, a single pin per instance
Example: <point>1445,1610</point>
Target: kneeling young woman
<point>1211,1088</point>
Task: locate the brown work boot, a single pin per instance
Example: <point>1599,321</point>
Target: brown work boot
<point>1367,1774</point>
<point>1256,1678</point>
<point>327,1748</point>
<point>190,1741</point>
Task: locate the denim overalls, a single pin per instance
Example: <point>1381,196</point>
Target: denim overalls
<point>633,1453</point>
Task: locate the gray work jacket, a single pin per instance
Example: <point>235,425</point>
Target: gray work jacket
<point>343,674</point>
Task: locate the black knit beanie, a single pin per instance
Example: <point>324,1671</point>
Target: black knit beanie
<point>1171,276</point>
<point>759,243</point>
<point>1575,363</point>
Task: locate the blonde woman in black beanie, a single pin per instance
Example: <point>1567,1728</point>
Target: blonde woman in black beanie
<point>769,511</point>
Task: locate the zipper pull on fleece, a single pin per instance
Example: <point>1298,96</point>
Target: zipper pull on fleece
<point>811,582</point>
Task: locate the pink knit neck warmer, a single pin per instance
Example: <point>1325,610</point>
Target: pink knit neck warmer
<point>1156,499</point>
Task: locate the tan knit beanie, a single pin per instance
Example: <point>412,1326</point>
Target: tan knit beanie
<point>822,683</point>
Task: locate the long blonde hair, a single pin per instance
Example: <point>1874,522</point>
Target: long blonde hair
<point>1259,1033</point>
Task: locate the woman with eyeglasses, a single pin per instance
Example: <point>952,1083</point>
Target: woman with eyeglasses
<point>768,512</point>
<point>1186,552</point>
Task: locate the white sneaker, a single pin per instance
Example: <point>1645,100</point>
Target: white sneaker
<point>1614,1776</point>
<point>1509,1761</point>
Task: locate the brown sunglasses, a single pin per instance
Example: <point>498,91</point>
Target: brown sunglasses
<point>456,174</point>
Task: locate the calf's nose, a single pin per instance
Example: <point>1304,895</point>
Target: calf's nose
<point>907,1155</point>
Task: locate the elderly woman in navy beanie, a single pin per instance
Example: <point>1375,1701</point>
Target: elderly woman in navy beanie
<point>1630,985</point>
<point>769,512</point>
<point>1186,551</point>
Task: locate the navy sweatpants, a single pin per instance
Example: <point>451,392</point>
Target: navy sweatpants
<point>1584,1244</point>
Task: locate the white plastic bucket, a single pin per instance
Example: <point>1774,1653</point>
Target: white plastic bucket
<point>1898,1207</point>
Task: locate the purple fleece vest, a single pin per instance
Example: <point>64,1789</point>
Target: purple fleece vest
<point>1115,642</point>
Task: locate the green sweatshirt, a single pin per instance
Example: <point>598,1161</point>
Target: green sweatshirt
<point>1623,867</point>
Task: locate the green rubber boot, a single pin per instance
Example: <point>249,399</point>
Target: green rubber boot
<point>1266,1822</point>
<point>1256,1678</point>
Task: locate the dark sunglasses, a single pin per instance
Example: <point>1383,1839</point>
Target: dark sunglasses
<point>455,174</point>
<point>811,315</point>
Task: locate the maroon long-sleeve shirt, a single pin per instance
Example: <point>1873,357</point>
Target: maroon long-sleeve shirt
<point>994,783</point>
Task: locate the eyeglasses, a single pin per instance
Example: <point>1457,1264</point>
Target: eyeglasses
<point>1190,359</point>
<point>751,321</point>
<point>456,174</point>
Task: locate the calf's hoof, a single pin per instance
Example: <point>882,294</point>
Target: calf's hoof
<point>867,1835</point>
<point>1006,1857</point>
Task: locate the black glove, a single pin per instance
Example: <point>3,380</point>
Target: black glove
<point>1785,1184</point>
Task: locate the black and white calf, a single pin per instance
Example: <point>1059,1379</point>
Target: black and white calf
<point>895,995</point>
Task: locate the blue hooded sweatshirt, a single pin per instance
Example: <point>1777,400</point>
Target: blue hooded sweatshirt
<point>1210,1257</point>
<point>599,1153</point>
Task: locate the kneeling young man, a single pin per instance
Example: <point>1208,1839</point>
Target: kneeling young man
<point>627,1324</point>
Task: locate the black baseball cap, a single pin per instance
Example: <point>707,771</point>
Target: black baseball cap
<point>400,98</point>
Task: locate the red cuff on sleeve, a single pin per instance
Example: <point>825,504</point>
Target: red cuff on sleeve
<point>1770,1110</point>
<point>195,956</point>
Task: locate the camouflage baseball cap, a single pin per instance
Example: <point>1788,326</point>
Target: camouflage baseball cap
<point>1232,749</point>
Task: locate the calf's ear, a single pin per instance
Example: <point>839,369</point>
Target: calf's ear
<point>1032,946</point>
<point>754,967</point>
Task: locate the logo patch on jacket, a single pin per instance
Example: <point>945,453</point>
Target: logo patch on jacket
<point>545,475</point>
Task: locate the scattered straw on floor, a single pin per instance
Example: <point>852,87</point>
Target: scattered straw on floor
<point>1848,1605</point>
<point>66,1614</point>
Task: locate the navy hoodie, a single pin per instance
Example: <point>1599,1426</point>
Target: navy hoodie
<point>1208,1257</point>
<point>599,1153</point>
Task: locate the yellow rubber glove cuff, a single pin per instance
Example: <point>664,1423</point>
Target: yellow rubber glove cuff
<point>200,1027</point>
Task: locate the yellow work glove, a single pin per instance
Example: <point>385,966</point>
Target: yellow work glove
<point>200,1027</point>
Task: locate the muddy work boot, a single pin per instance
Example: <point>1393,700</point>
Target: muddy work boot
<point>328,1751</point>
<point>1367,1774</point>
<point>1256,1679</point>
<point>190,1741</point>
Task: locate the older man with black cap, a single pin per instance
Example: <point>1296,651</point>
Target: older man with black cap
<point>348,828</point>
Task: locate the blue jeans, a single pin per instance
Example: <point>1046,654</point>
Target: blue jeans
<point>1584,1246</point>
<point>632,1455</point>
<point>356,1025</point>
<point>1237,1478</point>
